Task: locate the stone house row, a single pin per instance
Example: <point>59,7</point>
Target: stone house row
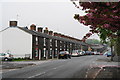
<point>36,43</point>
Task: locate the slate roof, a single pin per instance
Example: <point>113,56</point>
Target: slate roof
<point>32,32</point>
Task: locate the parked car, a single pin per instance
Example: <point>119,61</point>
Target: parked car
<point>75,53</point>
<point>6,56</point>
<point>98,53</point>
<point>95,52</point>
<point>108,53</point>
<point>92,53</point>
<point>88,52</point>
<point>81,52</point>
<point>64,55</point>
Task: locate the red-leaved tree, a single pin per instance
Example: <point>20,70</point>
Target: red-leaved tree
<point>103,18</point>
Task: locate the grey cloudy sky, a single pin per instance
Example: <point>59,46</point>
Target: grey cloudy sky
<point>57,15</point>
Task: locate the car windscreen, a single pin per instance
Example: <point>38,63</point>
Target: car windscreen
<point>62,52</point>
<point>75,51</point>
<point>109,52</point>
<point>87,51</point>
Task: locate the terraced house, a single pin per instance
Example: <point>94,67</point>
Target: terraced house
<point>35,42</point>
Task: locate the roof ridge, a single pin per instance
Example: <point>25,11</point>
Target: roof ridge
<point>4,29</point>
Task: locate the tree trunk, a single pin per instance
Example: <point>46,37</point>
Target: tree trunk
<point>117,48</point>
<point>111,52</point>
<point>118,44</point>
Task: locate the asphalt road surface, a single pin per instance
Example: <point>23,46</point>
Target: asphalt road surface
<point>76,67</point>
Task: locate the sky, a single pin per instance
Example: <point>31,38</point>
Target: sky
<point>57,15</point>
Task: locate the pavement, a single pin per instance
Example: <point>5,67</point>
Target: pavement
<point>104,72</point>
<point>105,68</point>
<point>92,67</point>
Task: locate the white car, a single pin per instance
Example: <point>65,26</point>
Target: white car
<point>6,56</point>
<point>81,53</point>
<point>98,53</point>
<point>75,53</point>
<point>95,52</point>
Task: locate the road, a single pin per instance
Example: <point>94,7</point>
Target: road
<point>77,67</point>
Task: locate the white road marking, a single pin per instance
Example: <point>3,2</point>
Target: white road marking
<point>45,72</point>
<point>97,73</point>
<point>54,68</point>
<point>37,75</point>
<point>7,70</point>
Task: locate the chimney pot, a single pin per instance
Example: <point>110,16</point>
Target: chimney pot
<point>58,34</point>
<point>50,32</point>
<point>55,34</point>
<point>62,35</point>
<point>40,29</point>
<point>46,30</point>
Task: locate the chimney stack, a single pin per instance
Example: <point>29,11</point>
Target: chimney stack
<point>40,29</point>
<point>55,34</point>
<point>33,27</point>
<point>50,32</point>
<point>46,30</point>
<point>59,35</point>
<point>62,35</point>
<point>13,23</point>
